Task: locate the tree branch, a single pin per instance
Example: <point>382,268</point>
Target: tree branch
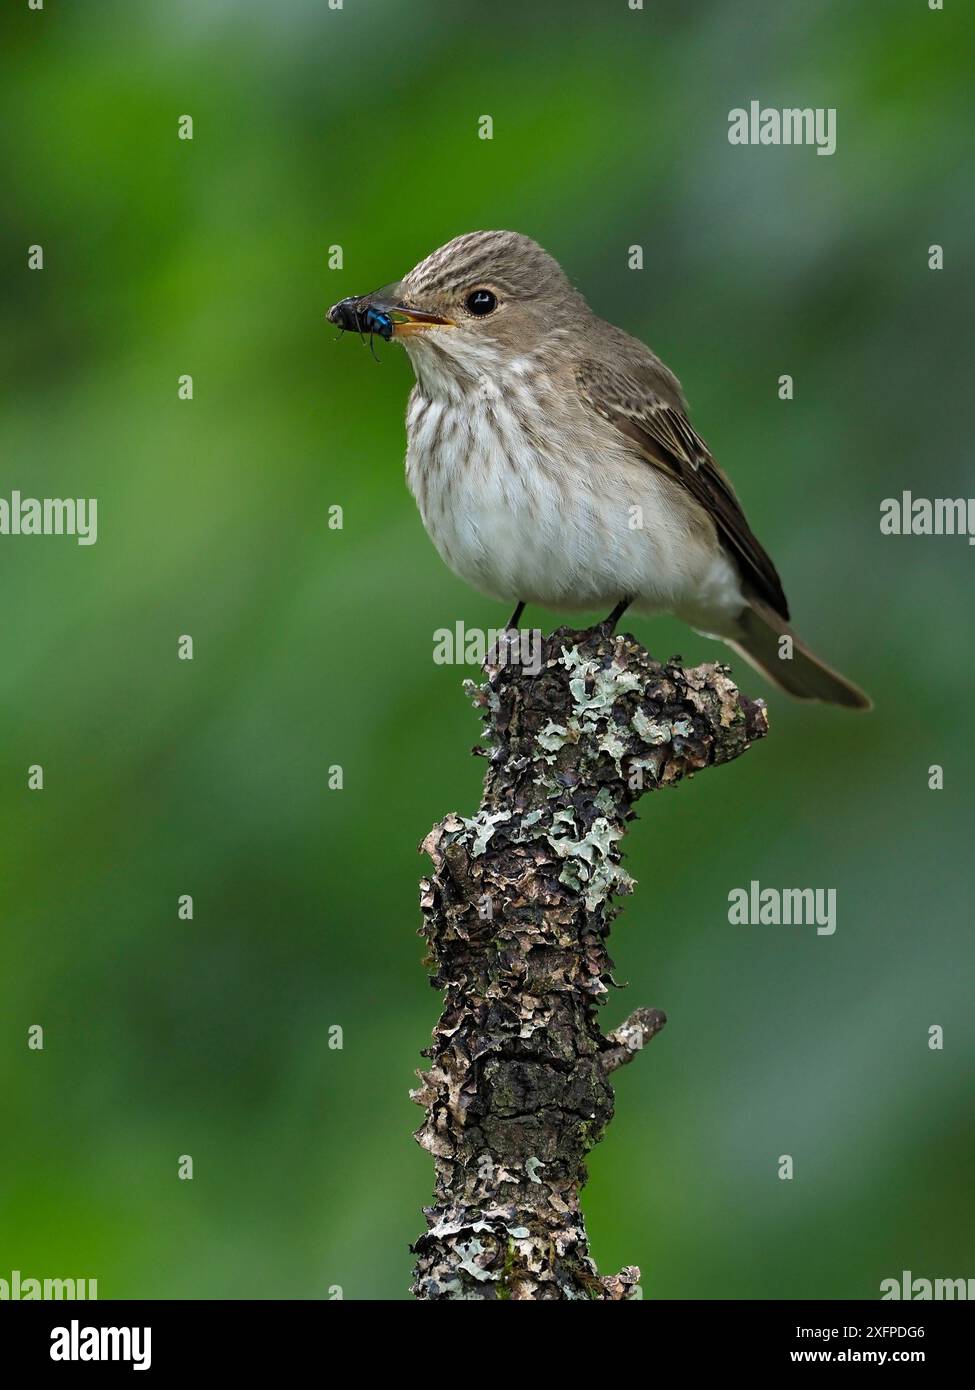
<point>516,914</point>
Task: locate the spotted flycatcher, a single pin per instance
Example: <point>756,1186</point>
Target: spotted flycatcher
<point>552,459</point>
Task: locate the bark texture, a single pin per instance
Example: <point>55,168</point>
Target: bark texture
<point>517,912</point>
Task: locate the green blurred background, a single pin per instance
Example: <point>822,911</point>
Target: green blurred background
<point>313,646</point>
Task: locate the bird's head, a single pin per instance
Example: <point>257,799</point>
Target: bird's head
<point>480,302</point>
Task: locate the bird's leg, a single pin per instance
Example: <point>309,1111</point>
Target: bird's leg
<point>513,620</point>
<point>610,623</point>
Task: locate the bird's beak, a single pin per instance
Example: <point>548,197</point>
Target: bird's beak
<point>407,320</point>
<point>386,303</point>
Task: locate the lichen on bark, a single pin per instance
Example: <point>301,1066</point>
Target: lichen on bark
<point>517,913</point>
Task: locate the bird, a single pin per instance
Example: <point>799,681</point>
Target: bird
<point>553,462</point>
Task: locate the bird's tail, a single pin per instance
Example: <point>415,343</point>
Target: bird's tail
<point>767,642</point>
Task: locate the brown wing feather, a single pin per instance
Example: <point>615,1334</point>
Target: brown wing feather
<point>661,431</point>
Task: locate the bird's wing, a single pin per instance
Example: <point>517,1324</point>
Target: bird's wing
<point>647,408</point>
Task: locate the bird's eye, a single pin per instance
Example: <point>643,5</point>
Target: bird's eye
<point>481,302</point>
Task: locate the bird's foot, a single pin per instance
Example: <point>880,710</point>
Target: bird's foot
<point>608,625</point>
<point>515,617</point>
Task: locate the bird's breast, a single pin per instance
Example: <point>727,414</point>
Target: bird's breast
<point>489,480</point>
<point>526,496</point>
